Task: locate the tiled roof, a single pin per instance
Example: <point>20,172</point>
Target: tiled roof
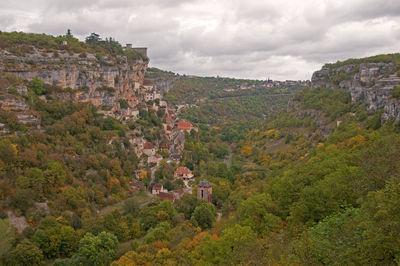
<point>182,170</point>
<point>148,145</point>
<point>166,196</point>
<point>136,184</point>
<point>184,125</point>
<point>157,187</point>
<point>204,183</point>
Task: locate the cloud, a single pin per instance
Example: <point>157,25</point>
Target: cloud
<point>285,39</point>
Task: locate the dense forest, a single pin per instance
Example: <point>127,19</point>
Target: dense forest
<point>314,182</point>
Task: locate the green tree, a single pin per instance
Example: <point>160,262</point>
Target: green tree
<point>25,253</point>
<point>237,244</point>
<point>380,243</point>
<point>396,92</point>
<point>37,86</point>
<point>100,249</point>
<point>69,241</point>
<point>187,204</point>
<point>256,213</point>
<point>333,241</point>
<point>22,199</point>
<point>37,182</point>
<point>55,174</point>
<point>8,153</point>
<point>204,215</point>
<point>131,206</point>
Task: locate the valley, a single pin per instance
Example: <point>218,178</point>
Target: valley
<point>107,161</point>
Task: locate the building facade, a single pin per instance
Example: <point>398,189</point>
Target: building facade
<point>204,191</point>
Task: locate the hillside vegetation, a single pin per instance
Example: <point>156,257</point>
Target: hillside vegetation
<point>383,58</point>
<point>22,44</point>
<point>218,100</point>
<point>292,196</point>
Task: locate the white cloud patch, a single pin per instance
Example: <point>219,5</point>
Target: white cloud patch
<point>285,39</point>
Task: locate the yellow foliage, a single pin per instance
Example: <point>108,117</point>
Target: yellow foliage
<point>143,174</point>
<point>162,216</point>
<point>355,141</point>
<point>264,159</point>
<point>15,148</point>
<point>132,258</point>
<point>246,150</point>
<point>163,254</point>
<point>158,244</point>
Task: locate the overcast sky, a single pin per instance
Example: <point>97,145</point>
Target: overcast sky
<point>286,39</point>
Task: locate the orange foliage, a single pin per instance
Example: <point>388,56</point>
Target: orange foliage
<point>111,181</point>
<point>246,150</point>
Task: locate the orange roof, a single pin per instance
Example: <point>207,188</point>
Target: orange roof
<point>133,99</point>
<point>157,187</point>
<point>182,170</point>
<point>136,184</point>
<point>166,196</point>
<point>168,119</point>
<point>148,145</point>
<point>184,126</point>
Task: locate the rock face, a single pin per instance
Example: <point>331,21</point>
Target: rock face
<point>369,83</point>
<point>163,84</point>
<point>89,80</point>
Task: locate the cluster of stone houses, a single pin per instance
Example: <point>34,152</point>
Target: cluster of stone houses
<point>204,188</point>
<point>141,94</point>
<point>182,173</point>
<point>268,84</point>
<point>172,140</point>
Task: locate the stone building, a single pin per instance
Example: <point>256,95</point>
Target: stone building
<point>204,191</point>
<point>183,173</point>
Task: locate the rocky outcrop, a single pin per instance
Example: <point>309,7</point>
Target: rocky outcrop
<point>89,79</point>
<point>164,84</point>
<point>324,127</point>
<point>392,110</point>
<point>369,83</point>
<point>116,85</point>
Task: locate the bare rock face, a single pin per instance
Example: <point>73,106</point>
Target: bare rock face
<point>89,80</point>
<point>392,110</point>
<point>369,83</point>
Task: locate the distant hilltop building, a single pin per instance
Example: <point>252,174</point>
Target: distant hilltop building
<point>204,191</point>
<point>142,50</point>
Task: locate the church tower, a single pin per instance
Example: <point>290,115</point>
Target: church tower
<point>204,191</point>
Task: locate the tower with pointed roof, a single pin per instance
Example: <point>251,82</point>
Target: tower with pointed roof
<point>204,191</point>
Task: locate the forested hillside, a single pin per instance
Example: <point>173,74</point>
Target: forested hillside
<point>218,100</point>
<point>300,189</point>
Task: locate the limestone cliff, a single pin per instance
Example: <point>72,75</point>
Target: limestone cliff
<point>371,83</point>
<point>88,78</point>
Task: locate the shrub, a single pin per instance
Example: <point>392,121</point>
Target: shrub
<point>123,104</point>
<point>396,92</point>
<point>37,86</point>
